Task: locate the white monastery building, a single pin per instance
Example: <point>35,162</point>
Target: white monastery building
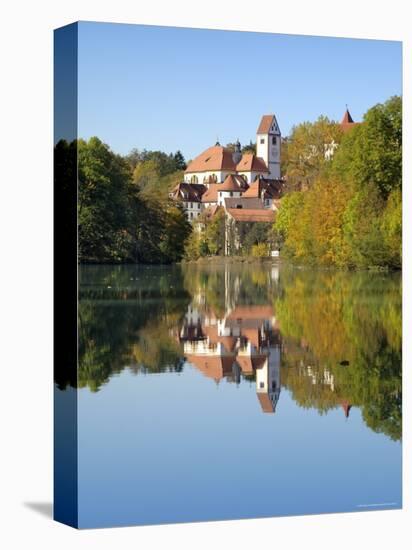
<point>247,186</point>
<point>220,176</point>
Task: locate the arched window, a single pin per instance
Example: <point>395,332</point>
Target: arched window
<point>194,179</point>
<point>213,178</point>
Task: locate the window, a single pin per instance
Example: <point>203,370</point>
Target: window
<point>273,140</point>
<point>231,194</point>
<point>194,179</point>
<point>262,140</point>
<point>191,205</point>
<point>198,205</point>
<point>261,385</point>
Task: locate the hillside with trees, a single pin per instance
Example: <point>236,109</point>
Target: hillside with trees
<point>124,213</point>
<point>347,211</point>
<point>342,206</point>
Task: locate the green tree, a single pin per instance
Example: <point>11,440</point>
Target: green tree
<point>392,228</point>
<point>214,233</point>
<point>104,179</point>
<point>307,151</point>
<point>371,153</point>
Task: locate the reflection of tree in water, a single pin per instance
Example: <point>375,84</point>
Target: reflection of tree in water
<point>349,325</point>
<point>340,332</point>
<point>127,315</point>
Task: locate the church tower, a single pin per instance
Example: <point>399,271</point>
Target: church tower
<point>268,144</point>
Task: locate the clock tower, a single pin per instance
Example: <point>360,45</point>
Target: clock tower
<point>268,138</point>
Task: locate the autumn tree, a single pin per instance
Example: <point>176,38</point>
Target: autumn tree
<point>307,151</point>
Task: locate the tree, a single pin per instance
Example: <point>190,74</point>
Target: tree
<point>392,228</point>
<point>179,161</point>
<point>214,234</point>
<point>362,228</point>
<point>371,153</point>
<point>249,148</point>
<point>260,250</point>
<point>349,212</point>
<point>175,233</point>
<point>307,151</point>
<point>104,178</point>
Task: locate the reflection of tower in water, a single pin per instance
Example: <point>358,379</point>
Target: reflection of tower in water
<point>268,381</point>
<point>245,342</point>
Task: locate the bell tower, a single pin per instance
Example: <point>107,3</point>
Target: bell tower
<point>268,138</point>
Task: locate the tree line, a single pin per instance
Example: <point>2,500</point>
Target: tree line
<point>344,209</point>
<point>124,213</point>
<point>343,205</point>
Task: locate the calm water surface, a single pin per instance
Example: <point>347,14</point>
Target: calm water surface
<point>223,392</point>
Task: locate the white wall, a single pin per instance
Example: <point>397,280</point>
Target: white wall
<point>220,174</point>
<point>222,195</point>
<point>192,209</point>
<point>251,176</point>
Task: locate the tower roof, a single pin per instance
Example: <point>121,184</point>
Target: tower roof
<point>265,402</point>
<point>347,122</point>
<point>347,118</point>
<point>265,124</point>
<point>346,406</point>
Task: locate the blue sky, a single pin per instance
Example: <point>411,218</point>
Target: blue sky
<point>171,88</point>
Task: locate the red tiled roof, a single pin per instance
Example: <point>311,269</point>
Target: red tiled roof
<point>265,402</point>
<point>265,124</point>
<point>347,118</point>
<point>348,122</point>
<point>250,162</point>
<point>253,336</point>
<point>231,183</point>
<point>211,194</point>
<point>214,158</point>
<point>252,215</point>
<point>252,312</point>
<point>241,202</point>
<point>346,408</point>
<point>245,363</point>
<point>229,342</point>
<point>188,191</point>
<point>212,366</point>
<point>270,189</point>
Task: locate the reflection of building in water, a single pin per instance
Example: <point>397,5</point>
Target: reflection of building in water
<point>325,377</point>
<point>244,342</point>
